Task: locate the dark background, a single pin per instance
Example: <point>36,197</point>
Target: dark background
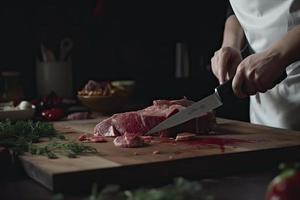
<point>129,39</point>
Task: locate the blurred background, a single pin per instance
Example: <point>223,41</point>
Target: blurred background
<point>164,46</point>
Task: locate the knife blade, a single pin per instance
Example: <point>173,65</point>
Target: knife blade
<point>222,93</point>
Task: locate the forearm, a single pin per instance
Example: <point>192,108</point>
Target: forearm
<point>288,47</point>
<point>233,33</point>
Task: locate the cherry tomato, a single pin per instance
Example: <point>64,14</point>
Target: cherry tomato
<point>53,114</point>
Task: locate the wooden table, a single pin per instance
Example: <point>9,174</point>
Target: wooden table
<point>247,185</point>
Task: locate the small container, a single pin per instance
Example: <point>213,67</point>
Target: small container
<point>54,77</point>
<point>11,87</point>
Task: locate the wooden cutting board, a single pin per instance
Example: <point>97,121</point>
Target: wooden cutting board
<point>235,145</point>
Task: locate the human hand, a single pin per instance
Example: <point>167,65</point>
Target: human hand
<point>224,63</point>
<point>257,73</point>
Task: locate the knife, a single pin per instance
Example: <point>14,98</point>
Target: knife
<point>223,94</point>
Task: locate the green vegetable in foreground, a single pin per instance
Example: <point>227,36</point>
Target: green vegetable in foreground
<point>181,189</point>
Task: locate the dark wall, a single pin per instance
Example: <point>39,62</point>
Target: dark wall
<point>25,24</point>
<point>130,39</point>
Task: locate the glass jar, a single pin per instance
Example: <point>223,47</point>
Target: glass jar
<point>11,89</point>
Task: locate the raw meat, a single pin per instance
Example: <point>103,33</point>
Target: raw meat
<point>156,152</point>
<point>92,138</point>
<point>139,122</point>
<point>185,137</point>
<point>129,141</point>
<point>78,116</point>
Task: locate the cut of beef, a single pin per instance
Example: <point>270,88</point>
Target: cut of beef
<point>129,141</point>
<point>141,121</point>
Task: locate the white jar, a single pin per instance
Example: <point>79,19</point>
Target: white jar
<point>54,76</point>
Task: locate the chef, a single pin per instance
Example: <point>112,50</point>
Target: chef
<point>271,28</point>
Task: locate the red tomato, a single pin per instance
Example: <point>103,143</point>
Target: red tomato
<point>53,114</point>
<point>285,186</point>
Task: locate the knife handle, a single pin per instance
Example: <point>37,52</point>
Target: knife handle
<point>226,93</point>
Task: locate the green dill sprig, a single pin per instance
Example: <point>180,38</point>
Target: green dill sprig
<point>70,149</point>
<point>20,134</point>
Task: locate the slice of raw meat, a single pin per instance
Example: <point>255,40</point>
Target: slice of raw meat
<point>78,116</point>
<point>129,141</point>
<point>91,138</point>
<point>185,137</point>
<point>139,122</point>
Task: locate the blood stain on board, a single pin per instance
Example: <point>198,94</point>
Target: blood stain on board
<point>204,142</point>
<point>221,142</point>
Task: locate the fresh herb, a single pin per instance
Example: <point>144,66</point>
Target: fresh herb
<point>70,149</point>
<point>181,189</point>
<point>19,135</point>
<point>23,136</point>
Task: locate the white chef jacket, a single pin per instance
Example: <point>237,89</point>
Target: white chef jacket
<point>264,23</point>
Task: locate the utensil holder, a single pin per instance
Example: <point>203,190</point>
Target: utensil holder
<point>54,76</point>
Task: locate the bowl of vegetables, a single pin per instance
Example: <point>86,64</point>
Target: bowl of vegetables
<point>104,97</point>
